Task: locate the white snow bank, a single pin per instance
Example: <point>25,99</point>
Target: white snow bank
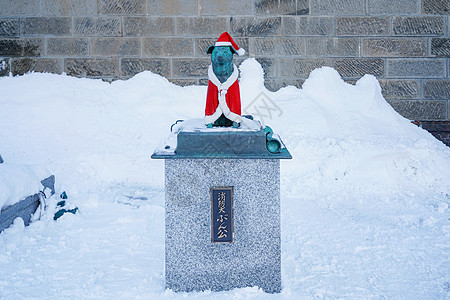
<point>349,136</point>
<point>87,131</point>
<point>93,131</point>
<point>365,200</point>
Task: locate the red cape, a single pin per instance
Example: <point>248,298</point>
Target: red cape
<point>231,107</point>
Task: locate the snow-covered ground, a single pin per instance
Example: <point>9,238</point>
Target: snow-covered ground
<point>365,201</point>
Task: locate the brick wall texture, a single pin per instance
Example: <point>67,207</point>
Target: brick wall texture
<point>404,43</point>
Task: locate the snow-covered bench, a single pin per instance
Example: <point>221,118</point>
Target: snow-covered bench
<point>22,191</point>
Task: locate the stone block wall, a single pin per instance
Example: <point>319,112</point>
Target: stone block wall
<point>405,43</point>
<point>440,130</point>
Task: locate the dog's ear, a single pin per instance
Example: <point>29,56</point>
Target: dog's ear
<point>210,49</point>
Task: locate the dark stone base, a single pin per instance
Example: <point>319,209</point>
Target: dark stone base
<point>224,144</point>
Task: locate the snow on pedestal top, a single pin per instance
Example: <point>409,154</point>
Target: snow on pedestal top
<point>169,145</point>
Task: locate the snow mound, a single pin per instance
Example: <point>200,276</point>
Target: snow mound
<point>349,136</point>
<point>365,199</point>
<point>93,131</point>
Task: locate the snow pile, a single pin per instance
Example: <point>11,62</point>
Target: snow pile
<point>349,136</point>
<point>89,131</point>
<point>364,200</point>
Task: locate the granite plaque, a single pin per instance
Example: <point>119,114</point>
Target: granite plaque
<point>222,214</point>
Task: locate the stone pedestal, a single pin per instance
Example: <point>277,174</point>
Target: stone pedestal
<point>193,261</point>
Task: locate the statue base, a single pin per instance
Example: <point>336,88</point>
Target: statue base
<point>253,258</point>
<point>218,246</point>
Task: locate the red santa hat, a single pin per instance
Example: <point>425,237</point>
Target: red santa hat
<point>225,39</point>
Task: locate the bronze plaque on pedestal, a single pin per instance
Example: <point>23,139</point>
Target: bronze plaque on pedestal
<point>222,214</point>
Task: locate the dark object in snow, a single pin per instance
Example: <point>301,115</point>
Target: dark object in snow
<point>27,207</point>
<point>23,209</point>
<point>61,212</point>
<point>1,160</point>
<point>49,183</point>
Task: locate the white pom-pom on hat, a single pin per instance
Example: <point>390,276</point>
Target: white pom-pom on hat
<point>241,52</point>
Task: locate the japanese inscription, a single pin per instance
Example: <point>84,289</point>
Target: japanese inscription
<point>222,214</point>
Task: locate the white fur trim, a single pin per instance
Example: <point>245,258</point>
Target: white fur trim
<point>223,86</point>
<point>212,118</point>
<point>239,52</point>
<point>234,117</point>
<point>223,44</point>
<point>222,89</point>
